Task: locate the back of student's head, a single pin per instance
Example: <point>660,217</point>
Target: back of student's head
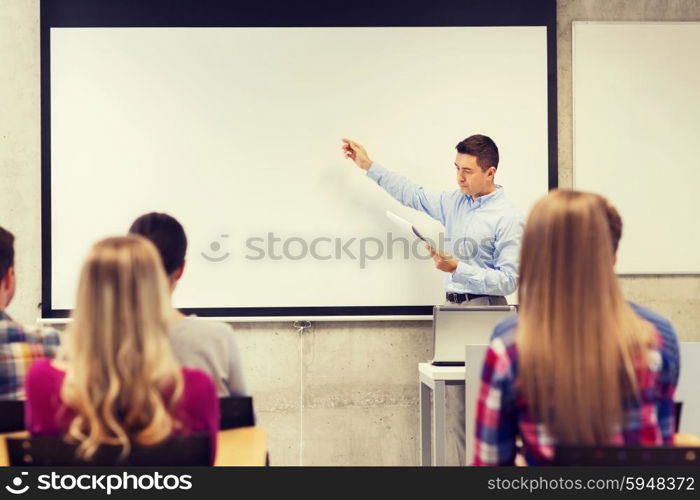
<point>122,379</point>
<point>7,251</point>
<point>579,342</point>
<point>614,220</point>
<point>167,234</point>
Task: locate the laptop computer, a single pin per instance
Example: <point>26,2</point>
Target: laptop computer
<point>456,326</point>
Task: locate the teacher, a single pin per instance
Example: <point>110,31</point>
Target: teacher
<point>483,229</point>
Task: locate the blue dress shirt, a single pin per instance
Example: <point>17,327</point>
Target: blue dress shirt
<point>482,234</point>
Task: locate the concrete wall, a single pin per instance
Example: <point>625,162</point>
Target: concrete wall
<point>20,161</point>
<point>676,297</point>
<point>360,388</point>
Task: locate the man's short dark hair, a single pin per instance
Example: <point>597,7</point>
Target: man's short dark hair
<point>7,251</point>
<point>483,148</point>
<point>168,236</point>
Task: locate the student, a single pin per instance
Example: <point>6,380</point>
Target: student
<point>19,346</point>
<point>119,381</point>
<point>578,365</point>
<point>662,325</point>
<point>206,345</point>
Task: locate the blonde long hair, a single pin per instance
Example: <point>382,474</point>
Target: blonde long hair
<point>579,342</point>
<point>122,379</point>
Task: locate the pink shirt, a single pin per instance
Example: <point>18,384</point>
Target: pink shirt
<point>45,413</point>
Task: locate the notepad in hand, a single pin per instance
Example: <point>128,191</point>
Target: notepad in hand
<point>407,226</point>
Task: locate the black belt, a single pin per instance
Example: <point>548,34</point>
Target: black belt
<point>458,298</point>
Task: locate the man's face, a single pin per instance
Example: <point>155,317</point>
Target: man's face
<point>471,179</point>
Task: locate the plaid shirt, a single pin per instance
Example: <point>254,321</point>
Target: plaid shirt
<point>19,348</point>
<point>502,414</point>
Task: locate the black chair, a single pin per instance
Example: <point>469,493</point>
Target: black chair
<point>11,416</point>
<point>236,411</point>
<point>677,409</point>
<point>52,451</point>
<point>627,455</point>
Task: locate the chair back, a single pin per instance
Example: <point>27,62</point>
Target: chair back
<point>236,411</point>
<point>677,410</point>
<point>53,451</point>
<point>11,416</point>
<point>627,455</point>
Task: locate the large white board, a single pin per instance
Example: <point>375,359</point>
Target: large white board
<point>237,132</point>
<point>636,129</point>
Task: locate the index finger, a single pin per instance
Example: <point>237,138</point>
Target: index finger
<point>352,143</point>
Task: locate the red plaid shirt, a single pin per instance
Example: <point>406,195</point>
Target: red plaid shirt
<point>502,414</point>
<point>19,349</point>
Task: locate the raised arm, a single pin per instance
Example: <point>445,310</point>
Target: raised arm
<point>399,187</point>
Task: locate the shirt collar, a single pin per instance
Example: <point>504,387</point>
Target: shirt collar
<point>4,316</point>
<point>482,200</point>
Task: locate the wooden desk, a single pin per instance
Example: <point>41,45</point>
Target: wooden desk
<point>686,439</point>
<point>4,459</point>
<point>245,446</point>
